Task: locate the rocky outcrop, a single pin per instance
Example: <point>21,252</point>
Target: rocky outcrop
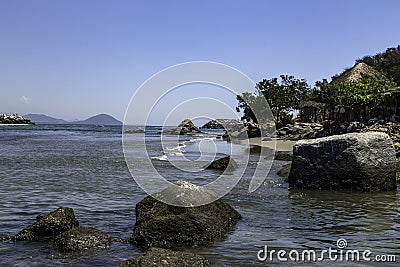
<point>390,128</point>
<point>50,225</point>
<point>186,127</point>
<point>222,164</point>
<point>355,161</point>
<point>13,119</point>
<point>162,225</point>
<point>300,131</point>
<point>159,257</point>
<point>228,124</point>
<point>243,131</point>
<point>81,239</point>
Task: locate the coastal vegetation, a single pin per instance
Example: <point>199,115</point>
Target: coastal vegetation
<point>387,62</point>
<point>283,95</point>
<point>357,94</point>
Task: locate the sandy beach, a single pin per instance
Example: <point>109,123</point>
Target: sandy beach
<point>277,144</point>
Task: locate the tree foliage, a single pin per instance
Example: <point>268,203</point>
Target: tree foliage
<point>283,96</point>
<point>358,97</point>
<point>388,62</point>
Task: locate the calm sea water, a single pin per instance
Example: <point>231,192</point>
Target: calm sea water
<point>43,167</point>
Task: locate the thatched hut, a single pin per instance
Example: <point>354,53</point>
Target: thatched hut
<point>311,111</point>
<point>356,73</point>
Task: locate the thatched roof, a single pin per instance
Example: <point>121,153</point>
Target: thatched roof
<point>355,73</point>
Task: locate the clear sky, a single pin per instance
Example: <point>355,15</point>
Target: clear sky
<point>73,59</point>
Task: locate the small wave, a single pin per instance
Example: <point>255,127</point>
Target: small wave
<point>176,154</point>
<point>201,139</point>
<point>160,158</point>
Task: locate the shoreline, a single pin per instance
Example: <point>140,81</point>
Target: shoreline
<point>16,124</point>
<point>276,144</point>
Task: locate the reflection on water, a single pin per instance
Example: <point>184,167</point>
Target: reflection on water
<point>83,167</point>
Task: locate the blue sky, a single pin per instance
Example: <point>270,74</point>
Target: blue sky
<point>73,59</point>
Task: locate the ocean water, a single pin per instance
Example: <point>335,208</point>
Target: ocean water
<point>83,167</point>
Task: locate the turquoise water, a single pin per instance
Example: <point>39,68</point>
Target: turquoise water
<point>83,167</point>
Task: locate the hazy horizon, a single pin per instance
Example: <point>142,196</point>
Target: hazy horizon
<point>73,60</point>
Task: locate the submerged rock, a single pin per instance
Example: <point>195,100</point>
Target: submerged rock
<point>161,225</point>
<point>283,155</point>
<point>284,172</point>
<point>186,127</point>
<point>4,238</point>
<point>164,257</point>
<point>222,164</point>
<point>355,161</point>
<point>80,239</point>
<point>50,225</point>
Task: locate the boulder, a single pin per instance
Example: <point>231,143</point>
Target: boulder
<point>80,239</point>
<point>159,257</point>
<point>162,225</point>
<point>222,164</point>
<point>186,127</point>
<point>50,225</point>
<point>354,161</point>
<point>227,124</point>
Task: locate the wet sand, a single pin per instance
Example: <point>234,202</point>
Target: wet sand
<point>277,144</point>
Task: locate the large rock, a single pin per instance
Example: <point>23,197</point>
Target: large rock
<point>161,225</point>
<point>227,124</point>
<point>355,161</point>
<point>186,127</point>
<point>80,239</point>
<point>222,164</point>
<point>159,257</point>
<point>50,225</point>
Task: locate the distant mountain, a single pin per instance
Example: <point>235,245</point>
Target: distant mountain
<point>44,119</point>
<point>101,119</point>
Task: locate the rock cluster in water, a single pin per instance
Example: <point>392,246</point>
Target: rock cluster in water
<point>186,127</point>
<point>355,161</point>
<point>223,124</point>
<point>50,225</point>
<point>13,119</point>
<point>62,228</point>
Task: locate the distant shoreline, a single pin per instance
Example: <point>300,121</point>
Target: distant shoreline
<point>16,124</point>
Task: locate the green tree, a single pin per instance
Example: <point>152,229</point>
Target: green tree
<point>359,97</point>
<point>283,96</point>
